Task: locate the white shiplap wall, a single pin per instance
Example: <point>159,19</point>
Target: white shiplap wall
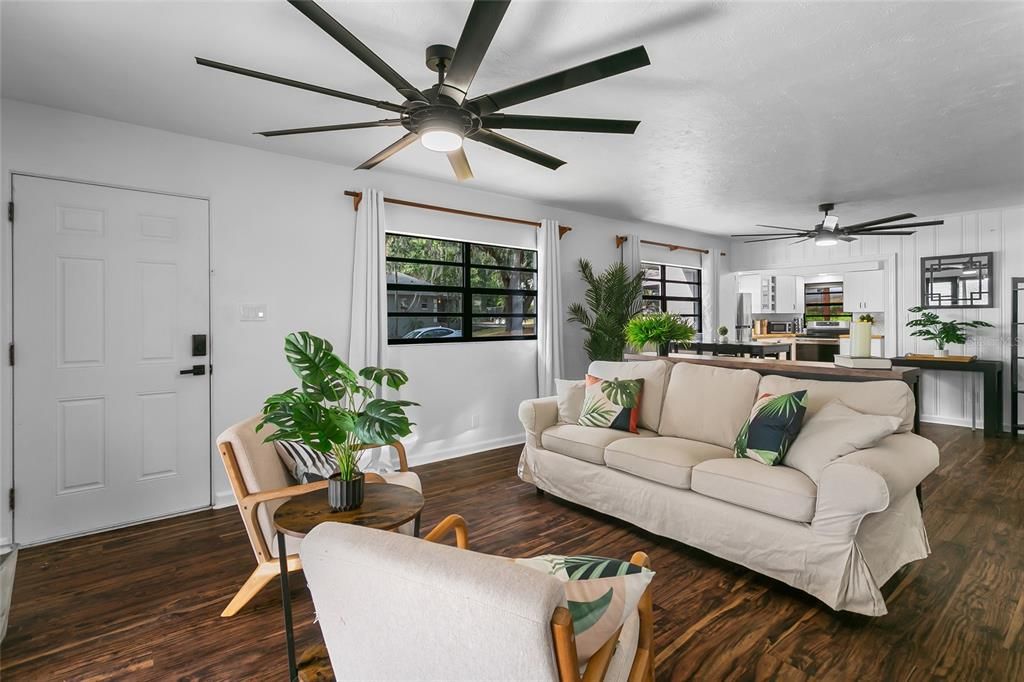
<point>945,396</point>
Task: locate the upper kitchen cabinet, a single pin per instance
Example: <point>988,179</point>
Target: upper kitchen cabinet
<point>864,291</point>
<point>789,294</point>
<point>773,293</point>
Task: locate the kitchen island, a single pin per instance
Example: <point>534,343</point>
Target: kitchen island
<point>755,349</point>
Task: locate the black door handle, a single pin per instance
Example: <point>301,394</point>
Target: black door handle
<point>197,370</point>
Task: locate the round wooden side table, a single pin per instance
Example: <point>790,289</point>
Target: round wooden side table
<point>385,507</point>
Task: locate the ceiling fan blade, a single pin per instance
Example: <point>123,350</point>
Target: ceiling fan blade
<point>319,16</point>
<point>845,238</point>
<point>493,139</point>
<point>873,233</point>
<point>460,164</point>
<point>482,23</point>
<point>805,239</point>
<point>779,227</point>
<point>772,234</point>
<point>901,216</point>
<point>325,129</point>
<point>388,151</point>
<point>397,108</point>
<point>774,239</point>
<point>926,223</point>
<point>563,80</point>
<point>561,123</point>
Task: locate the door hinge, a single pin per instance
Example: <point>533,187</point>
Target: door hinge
<point>10,499</point>
<point>10,211</point>
<point>10,354</point>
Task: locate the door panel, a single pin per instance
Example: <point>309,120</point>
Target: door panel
<point>109,287</point>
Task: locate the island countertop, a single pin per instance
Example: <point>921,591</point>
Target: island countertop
<point>804,369</point>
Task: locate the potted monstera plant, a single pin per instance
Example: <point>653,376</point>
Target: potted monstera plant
<point>335,411</point>
<point>943,332</point>
<point>660,330</point>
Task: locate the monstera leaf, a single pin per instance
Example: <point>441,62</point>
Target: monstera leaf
<point>323,374</point>
<point>383,421</point>
<point>622,392</point>
<point>394,378</point>
<point>298,418</point>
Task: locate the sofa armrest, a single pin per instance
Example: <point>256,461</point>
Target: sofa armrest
<point>868,481</point>
<point>537,415</point>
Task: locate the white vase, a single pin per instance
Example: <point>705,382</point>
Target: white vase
<point>860,339</point>
<point>941,352</point>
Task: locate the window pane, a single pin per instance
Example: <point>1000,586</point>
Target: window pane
<point>426,327</point>
<point>482,254</point>
<point>681,274</point>
<point>651,271</point>
<point>682,307</point>
<point>497,326</point>
<point>652,289</point>
<point>485,278</point>
<point>652,305</point>
<point>682,290</point>
<point>503,303</point>
<point>424,275</point>
<point>401,246</point>
<point>424,301</point>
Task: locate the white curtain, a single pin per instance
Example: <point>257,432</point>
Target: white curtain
<point>549,309</point>
<point>368,338</point>
<point>631,257</point>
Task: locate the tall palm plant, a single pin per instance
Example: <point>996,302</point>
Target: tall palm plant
<point>613,298</point>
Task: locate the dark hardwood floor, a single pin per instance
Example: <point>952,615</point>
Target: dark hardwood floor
<point>143,603</point>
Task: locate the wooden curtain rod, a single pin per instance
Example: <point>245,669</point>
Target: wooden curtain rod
<point>357,197</point>
<point>620,240</point>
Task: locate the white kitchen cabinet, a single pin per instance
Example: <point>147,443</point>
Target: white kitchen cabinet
<point>785,294</point>
<point>864,292</point>
<point>761,289</point>
<point>877,347</point>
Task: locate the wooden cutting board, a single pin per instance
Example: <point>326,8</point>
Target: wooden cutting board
<point>948,358</point>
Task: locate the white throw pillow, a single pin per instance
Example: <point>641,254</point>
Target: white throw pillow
<point>836,430</point>
<point>570,399</point>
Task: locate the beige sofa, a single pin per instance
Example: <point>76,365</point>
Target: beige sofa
<point>839,539</point>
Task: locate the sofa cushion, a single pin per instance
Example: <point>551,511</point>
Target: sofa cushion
<point>662,459</point>
<point>655,375</point>
<point>708,404</point>
<point>584,442</point>
<point>779,491</point>
<point>886,398</point>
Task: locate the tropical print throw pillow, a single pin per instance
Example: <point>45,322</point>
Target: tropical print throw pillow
<point>601,594</point>
<point>774,423</point>
<point>613,404</point>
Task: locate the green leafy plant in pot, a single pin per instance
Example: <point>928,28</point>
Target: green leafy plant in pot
<point>723,333</point>
<point>931,327</point>
<point>335,411</point>
<point>659,329</point>
<point>612,299</point>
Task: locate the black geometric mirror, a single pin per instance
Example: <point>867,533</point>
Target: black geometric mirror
<point>963,281</point>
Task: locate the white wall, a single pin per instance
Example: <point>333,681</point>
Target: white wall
<point>281,234</point>
<point>945,396</point>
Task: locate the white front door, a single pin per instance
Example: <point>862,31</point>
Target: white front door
<point>109,287</point>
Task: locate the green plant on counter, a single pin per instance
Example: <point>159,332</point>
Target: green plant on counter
<point>334,410</point>
<point>612,299</point>
<point>659,329</point>
<point>723,331</point>
<point>867,317</point>
<point>932,328</point>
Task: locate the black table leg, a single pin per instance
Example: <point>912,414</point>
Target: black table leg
<point>286,605</point>
<point>993,390</point>
<point>416,523</point>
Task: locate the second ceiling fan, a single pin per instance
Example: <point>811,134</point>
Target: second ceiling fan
<point>442,115</point>
<point>829,232</point>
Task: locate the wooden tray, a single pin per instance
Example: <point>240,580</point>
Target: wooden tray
<point>948,358</point>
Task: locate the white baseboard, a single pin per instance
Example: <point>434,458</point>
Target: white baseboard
<point>957,421</point>
<point>223,498</point>
<point>4,541</point>
<point>438,455</point>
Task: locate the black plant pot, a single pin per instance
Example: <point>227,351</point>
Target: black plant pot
<point>345,495</point>
<point>663,349</point>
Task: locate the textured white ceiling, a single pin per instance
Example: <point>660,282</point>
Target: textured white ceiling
<point>752,112</point>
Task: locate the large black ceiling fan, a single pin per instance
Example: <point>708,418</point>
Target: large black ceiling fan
<point>829,232</point>
<point>442,116</point>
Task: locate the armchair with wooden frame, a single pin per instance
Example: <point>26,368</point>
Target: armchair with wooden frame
<point>261,484</point>
<point>462,615</point>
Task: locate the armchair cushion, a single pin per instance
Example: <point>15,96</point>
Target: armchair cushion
<point>601,593</point>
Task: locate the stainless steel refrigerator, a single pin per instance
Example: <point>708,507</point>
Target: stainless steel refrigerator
<point>744,320</point>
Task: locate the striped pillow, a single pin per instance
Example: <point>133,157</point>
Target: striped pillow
<point>303,462</point>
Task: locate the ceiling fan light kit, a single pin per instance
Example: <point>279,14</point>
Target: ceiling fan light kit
<point>830,232</point>
<point>442,116</point>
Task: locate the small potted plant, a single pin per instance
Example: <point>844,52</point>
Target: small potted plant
<point>659,329</point>
<point>334,411</point>
<point>723,334</point>
<point>929,326</point>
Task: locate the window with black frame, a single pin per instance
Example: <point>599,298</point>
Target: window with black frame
<point>441,290</point>
<point>673,289</point>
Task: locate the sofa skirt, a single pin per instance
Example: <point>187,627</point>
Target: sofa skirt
<point>845,572</point>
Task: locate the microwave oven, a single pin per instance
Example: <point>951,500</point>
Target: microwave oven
<point>780,328</point>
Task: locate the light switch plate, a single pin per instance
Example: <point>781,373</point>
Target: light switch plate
<point>254,312</point>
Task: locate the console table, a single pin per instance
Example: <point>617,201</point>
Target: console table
<point>755,349</point>
<point>992,390</point>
